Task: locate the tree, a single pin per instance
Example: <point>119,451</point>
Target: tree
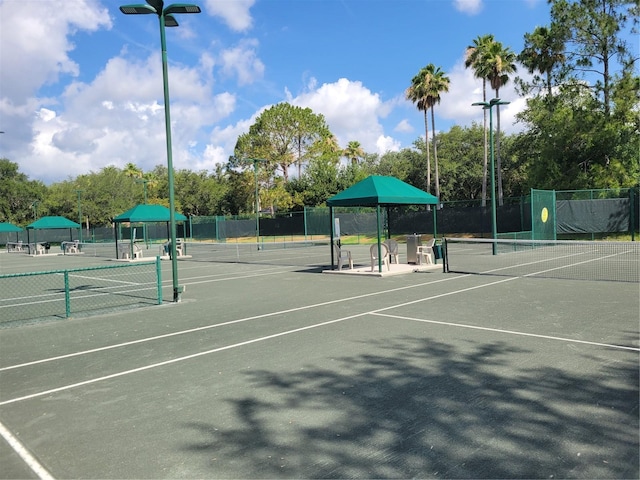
<point>354,152</point>
<point>17,194</point>
<point>500,61</point>
<point>283,135</point>
<point>475,59</point>
<point>132,170</point>
<point>438,83</point>
<point>543,53</point>
<point>417,93</point>
<point>594,40</point>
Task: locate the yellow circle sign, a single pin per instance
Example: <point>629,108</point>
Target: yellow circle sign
<point>545,215</point>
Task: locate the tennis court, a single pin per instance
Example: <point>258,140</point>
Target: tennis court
<point>270,369</point>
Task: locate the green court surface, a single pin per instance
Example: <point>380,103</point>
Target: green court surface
<point>270,369</point>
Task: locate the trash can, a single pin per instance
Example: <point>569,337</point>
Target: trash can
<point>437,252</point>
<point>413,242</point>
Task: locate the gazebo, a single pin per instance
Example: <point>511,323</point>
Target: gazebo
<point>51,223</point>
<point>6,227</point>
<point>145,213</point>
<point>379,191</point>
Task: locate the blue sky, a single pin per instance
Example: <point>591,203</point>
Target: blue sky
<point>81,83</point>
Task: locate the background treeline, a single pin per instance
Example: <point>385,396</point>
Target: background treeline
<point>580,129</point>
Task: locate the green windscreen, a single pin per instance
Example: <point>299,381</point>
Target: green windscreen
<point>543,214</point>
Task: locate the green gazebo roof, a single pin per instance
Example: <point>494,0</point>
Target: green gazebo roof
<point>380,190</point>
<point>6,227</point>
<point>147,213</point>
<point>51,223</point>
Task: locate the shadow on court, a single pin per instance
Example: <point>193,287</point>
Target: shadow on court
<point>421,408</point>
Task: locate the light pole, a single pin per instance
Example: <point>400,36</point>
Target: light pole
<point>489,106</point>
<point>79,192</point>
<point>35,209</point>
<point>144,182</point>
<point>255,176</point>
<point>166,18</point>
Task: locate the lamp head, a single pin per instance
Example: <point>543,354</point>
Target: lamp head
<point>138,9</point>
<point>182,8</point>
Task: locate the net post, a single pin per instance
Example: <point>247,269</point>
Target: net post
<point>445,257</point>
<point>159,279</point>
<point>67,295</point>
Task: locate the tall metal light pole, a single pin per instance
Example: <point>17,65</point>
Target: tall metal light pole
<point>166,18</point>
<point>144,182</point>
<point>79,192</point>
<point>255,175</point>
<point>494,224</point>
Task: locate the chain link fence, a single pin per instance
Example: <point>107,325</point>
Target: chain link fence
<point>63,293</point>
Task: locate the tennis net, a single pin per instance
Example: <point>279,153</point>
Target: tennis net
<point>310,253</point>
<point>579,260</point>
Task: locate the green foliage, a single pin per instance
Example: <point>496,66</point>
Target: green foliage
<point>17,194</point>
<point>283,135</point>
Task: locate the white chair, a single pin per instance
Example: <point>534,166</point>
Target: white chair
<point>137,251</point>
<point>39,249</point>
<point>384,255</point>
<point>426,252</point>
<point>393,250</point>
<point>71,247</point>
<point>342,256</point>
<point>124,251</point>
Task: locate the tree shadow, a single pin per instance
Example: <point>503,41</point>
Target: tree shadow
<point>420,408</point>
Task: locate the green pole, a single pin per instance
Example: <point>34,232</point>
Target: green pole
<point>255,175</point>
<point>177,291</point>
<point>79,192</point>
<point>67,295</point>
<point>494,226</point>
<point>159,279</point>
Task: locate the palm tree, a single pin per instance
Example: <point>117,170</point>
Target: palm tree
<point>501,61</point>
<point>438,83</point>
<point>132,170</point>
<point>475,59</point>
<point>353,152</point>
<point>417,93</point>
<point>543,52</point>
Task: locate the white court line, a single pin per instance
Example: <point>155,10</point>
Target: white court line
<point>511,332</point>
<point>176,360</point>
<point>24,454</point>
<point>217,325</point>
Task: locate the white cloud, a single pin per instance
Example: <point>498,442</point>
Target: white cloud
<point>235,13</point>
<point>243,62</point>
<point>404,127</point>
<point>470,7</point>
<point>465,89</point>
<point>351,110</point>
<point>42,36</point>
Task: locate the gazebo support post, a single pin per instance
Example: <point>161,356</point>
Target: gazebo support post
<point>331,232</point>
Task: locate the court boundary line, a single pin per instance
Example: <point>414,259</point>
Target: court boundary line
<point>217,325</point>
<point>26,456</point>
<point>511,332</point>
<point>252,341</point>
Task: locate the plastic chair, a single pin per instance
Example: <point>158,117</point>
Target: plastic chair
<point>71,247</point>
<point>384,254</point>
<point>343,255</point>
<point>426,251</point>
<point>393,250</point>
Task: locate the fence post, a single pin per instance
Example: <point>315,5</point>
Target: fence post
<point>67,294</point>
<point>159,279</point>
<point>632,213</point>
